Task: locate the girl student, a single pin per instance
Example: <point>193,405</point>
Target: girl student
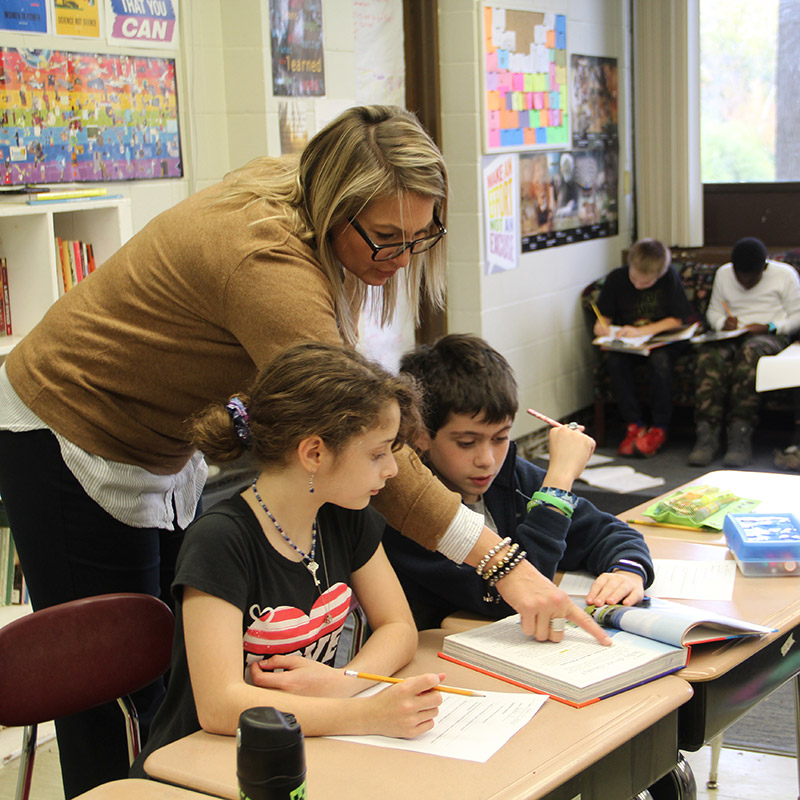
<point>265,579</point>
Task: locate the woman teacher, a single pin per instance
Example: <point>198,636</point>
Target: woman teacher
<point>96,469</point>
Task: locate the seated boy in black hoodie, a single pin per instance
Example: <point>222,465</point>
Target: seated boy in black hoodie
<point>470,400</point>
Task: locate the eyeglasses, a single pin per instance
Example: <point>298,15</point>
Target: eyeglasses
<point>386,252</point>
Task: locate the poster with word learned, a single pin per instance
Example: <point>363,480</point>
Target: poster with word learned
<point>525,89</point>
<point>501,212</point>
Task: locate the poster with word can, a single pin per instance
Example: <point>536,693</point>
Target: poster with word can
<point>142,23</point>
<point>501,212</point>
<point>524,77</point>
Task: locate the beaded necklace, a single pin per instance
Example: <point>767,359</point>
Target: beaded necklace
<point>308,558</point>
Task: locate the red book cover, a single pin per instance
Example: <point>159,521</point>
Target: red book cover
<point>76,256</point>
<point>90,256</point>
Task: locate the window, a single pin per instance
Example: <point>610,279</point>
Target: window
<point>750,91</point>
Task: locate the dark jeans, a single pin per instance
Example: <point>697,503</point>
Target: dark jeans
<point>660,364</point>
<point>70,548</point>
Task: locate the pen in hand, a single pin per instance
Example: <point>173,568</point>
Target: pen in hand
<point>367,676</point>
<point>550,421</point>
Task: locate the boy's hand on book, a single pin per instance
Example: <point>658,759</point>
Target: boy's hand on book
<point>615,588</point>
<point>538,601</point>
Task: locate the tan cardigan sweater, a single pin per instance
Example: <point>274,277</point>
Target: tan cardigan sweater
<point>184,314</point>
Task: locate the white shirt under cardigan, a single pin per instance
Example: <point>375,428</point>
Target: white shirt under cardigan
<point>141,499</point>
<point>775,298</point>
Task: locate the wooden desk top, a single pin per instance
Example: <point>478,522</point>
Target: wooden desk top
<point>139,789</point>
<point>777,491</point>
<point>558,743</point>
<point>771,601</point>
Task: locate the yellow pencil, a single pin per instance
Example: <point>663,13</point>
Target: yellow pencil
<point>597,313</point>
<point>668,525</point>
<point>367,676</point>
<point>727,308</point>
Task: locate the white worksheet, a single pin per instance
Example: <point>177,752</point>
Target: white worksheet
<point>469,728</point>
<point>675,579</point>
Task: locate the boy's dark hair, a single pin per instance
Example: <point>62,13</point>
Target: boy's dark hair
<point>462,374</point>
<point>749,255</point>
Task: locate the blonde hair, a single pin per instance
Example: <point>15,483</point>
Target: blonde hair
<point>365,154</point>
<point>310,389</point>
<point>649,257</point>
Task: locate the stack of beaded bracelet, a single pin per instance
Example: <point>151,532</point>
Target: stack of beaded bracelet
<point>502,568</point>
<point>493,552</point>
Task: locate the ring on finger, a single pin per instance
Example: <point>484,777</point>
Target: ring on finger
<point>573,426</point>
<point>558,624</point>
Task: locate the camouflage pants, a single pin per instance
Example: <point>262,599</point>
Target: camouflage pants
<point>726,376</point>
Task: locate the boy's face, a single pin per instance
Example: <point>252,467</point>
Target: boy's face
<point>467,452</point>
<point>747,280</point>
<point>640,280</point>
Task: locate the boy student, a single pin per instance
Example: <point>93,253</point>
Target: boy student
<point>762,299</point>
<point>646,297</point>
<point>470,400</point>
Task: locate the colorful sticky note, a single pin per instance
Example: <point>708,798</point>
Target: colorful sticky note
<point>541,136</point>
<point>538,102</point>
<point>551,38</point>
<point>492,101</point>
<point>529,135</point>
<point>494,119</point>
<point>528,82</point>
<point>502,59</point>
<point>494,137</point>
<point>517,81</point>
<point>555,99</point>
<point>491,81</point>
<point>491,61</point>
<point>511,137</point>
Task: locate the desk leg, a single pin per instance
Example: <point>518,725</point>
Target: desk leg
<point>713,772</point>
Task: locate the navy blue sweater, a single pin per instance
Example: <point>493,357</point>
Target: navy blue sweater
<point>592,540</point>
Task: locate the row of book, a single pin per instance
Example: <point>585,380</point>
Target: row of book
<point>5,303</point>
<point>13,589</point>
<point>76,260</point>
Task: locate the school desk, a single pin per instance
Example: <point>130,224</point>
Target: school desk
<point>139,789</point>
<point>610,750</point>
<point>777,491</point>
<point>729,678</point>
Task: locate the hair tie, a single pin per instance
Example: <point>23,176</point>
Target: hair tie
<point>241,421</point>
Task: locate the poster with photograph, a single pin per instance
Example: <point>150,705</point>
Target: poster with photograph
<point>298,68</point>
<point>76,18</point>
<point>68,116</point>
<point>292,125</point>
<point>525,89</point>
<point>501,212</point>
<point>24,16</point>
<point>142,23</point>
<point>594,101</point>
<point>567,196</point>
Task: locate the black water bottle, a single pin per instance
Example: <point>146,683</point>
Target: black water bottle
<point>270,756</point>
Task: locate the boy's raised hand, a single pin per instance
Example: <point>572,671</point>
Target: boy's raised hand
<point>570,449</point>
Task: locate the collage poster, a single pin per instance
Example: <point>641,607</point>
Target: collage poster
<point>298,68</point>
<point>86,117</point>
<point>567,196</point>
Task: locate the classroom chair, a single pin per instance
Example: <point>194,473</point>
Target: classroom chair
<point>107,647</point>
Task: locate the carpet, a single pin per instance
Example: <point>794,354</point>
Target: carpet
<point>768,727</point>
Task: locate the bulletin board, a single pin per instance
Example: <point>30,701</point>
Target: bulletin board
<point>524,80</point>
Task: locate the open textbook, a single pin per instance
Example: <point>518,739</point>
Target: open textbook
<point>642,345</point>
<point>579,670</point>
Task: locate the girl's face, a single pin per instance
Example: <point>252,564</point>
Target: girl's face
<point>386,220</point>
<point>359,471</point>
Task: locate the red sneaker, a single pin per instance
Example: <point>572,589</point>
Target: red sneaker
<point>650,442</point>
<point>633,431</point>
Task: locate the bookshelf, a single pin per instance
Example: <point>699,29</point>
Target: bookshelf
<point>28,243</point>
